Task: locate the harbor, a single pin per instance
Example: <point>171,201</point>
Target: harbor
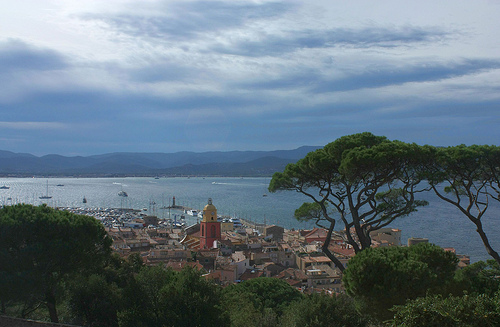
<point>178,217</point>
<point>240,198</point>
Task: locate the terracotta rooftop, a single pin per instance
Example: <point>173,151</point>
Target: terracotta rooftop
<point>250,274</point>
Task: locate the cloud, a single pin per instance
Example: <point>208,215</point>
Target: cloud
<point>187,20</point>
<point>16,55</point>
<point>373,75</point>
<point>380,76</point>
<point>32,125</point>
<point>363,37</point>
<point>141,75</point>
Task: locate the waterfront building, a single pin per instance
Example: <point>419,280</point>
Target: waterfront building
<point>417,240</point>
<point>227,225</point>
<point>387,236</point>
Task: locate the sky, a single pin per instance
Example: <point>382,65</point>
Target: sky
<point>92,77</point>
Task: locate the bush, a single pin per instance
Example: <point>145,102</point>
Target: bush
<point>467,310</point>
<point>382,277</point>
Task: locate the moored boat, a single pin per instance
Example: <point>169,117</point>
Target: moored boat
<point>46,196</point>
<point>192,212</point>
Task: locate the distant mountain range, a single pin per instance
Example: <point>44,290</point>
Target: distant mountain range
<point>231,163</point>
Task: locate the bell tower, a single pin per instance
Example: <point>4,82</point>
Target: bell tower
<point>209,227</point>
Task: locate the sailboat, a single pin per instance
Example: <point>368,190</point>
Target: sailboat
<point>46,196</point>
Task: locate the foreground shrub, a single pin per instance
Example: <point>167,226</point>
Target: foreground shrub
<point>467,310</point>
<point>319,310</point>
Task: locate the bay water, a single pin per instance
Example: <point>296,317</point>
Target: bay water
<point>246,198</point>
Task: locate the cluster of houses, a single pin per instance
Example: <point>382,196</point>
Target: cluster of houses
<point>231,255</point>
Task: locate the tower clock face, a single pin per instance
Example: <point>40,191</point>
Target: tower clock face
<point>213,213</point>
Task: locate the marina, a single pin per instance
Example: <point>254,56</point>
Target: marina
<point>236,198</point>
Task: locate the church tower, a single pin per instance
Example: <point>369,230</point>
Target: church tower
<point>209,227</point>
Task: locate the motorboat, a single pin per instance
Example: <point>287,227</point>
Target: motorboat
<point>236,222</point>
<point>192,212</point>
<point>123,193</point>
<point>4,187</point>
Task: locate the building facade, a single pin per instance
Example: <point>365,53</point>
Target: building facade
<point>210,229</point>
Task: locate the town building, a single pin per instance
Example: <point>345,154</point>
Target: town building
<point>210,227</point>
<point>386,237</point>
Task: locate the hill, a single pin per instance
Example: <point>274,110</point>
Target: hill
<point>214,163</point>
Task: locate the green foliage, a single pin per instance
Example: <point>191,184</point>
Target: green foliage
<point>308,211</point>
<point>160,297</point>
<point>467,310</point>
<point>480,277</point>
<point>94,302</point>
<point>194,301</point>
<point>467,177</point>
<point>41,246</point>
<point>319,310</point>
<point>346,176</point>
<point>258,302</point>
<point>382,277</point>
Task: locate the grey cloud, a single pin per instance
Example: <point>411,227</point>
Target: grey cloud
<point>452,108</point>
<point>163,71</point>
<point>186,20</point>
<point>84,105</point>
<point>19,56</point>
<point>272,45</point>
<point>375,76</point>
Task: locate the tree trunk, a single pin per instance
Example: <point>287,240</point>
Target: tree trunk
<point>486,242</point>
<point>50,299</point>
<point>326,251</point>
<point>364,238</point>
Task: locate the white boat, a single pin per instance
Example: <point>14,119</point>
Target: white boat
<point>4,187</point>
<point>177,223</point>
<point>236,222</point>
<point>192,212</point>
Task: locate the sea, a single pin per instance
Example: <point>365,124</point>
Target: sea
<point>246,198</point>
